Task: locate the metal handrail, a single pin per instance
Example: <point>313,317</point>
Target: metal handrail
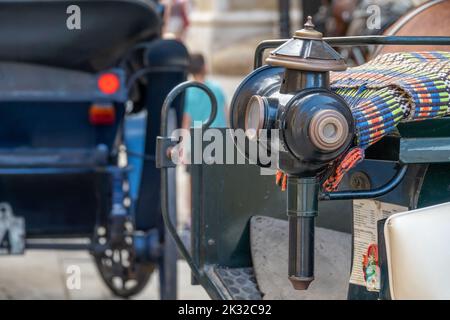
<point>164,192</point>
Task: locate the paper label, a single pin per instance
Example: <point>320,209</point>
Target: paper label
<point>366,214</point>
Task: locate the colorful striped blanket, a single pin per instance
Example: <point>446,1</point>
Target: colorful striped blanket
<point>390,89</point>
<point>393,88</point>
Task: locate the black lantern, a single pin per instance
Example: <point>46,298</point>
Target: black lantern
<point>291,94</point>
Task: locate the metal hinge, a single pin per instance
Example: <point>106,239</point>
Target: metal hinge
<point>165,146</point>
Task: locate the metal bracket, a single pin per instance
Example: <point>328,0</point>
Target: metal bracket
<point>425,150</point>
<point>367,194</point>
<point>12,230</point>
<point>164,146</point>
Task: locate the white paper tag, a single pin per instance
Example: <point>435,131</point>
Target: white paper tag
<point>366,214</point>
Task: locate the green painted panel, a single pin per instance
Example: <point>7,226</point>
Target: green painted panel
<point>428,128</point>
<point>225,197</point>
<point>436,186</point>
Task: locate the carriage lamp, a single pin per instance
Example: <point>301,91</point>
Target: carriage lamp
<point>315,126</point>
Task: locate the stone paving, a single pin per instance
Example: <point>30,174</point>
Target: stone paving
<point>43,274</point>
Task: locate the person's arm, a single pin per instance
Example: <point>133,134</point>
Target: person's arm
<point>225,107</point>
<point>167,12</point>
<point>227,115</point>
<point>186,126</point>
<point>185,14</point>
<point>186,122</point>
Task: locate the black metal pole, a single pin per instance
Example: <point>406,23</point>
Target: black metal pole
<point>168,261</point>
<point>285,19</point>
<point>387,40</point>
<point>310,8</point>
<point>302,212</point>
<point>356,41</point>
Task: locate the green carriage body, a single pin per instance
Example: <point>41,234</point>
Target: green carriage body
<point>226,197</point>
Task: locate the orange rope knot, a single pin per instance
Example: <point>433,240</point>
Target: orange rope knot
<point>281,179</point>
<point>349,161</point>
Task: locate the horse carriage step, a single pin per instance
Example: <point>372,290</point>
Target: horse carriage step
<point>240,283</point>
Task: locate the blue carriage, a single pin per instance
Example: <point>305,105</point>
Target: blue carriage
<point>79,112</point>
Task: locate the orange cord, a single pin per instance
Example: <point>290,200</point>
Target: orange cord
<point>281,180</point>
<point>284,183</point>
<point>350,160</point>
<point>278,178</point>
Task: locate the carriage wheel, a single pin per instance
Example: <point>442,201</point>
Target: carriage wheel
<point>122,276</point>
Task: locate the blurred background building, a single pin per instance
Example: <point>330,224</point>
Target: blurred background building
<point>227,31</point>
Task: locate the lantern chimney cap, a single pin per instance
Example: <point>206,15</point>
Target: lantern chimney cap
<point>308,31</point>
<point>307,51</point>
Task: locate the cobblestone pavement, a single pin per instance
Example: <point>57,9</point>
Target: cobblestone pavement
<point>43,275</point>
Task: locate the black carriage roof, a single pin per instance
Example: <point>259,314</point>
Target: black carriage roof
<point>35,31</point>
<point>27,82</point>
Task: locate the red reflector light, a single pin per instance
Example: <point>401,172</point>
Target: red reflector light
<point>108,83</point>
<point>102,114</point>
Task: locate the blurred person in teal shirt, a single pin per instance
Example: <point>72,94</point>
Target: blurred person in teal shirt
<point>197,106</point>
